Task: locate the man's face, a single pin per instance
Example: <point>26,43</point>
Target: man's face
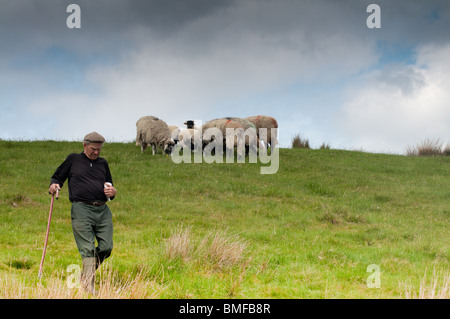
<point>92,150</point>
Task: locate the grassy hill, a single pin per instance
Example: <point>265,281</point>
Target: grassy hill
<point>225,231</point>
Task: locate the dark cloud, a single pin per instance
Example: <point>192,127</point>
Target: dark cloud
<point>112,24</point>
<point>48,16</point>
<point>106,26</point>
<point>414,21</point>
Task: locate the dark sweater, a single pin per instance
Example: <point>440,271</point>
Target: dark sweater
<point>86,177</point>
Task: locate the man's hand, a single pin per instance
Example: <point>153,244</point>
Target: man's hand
<point>54,188</point>
<point>110,190</point>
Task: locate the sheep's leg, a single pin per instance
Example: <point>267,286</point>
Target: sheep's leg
<point>143,147</point>
<point>273,138</point>
<point>153,149</point>
<point>262,145</point>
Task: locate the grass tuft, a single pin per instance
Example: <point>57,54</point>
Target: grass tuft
<point>298,142</point>
<point>179,245</point>
<point>216,250</point>
<point>437,287</point>
<point>22,263</point>
<point>429,147</point>
<point>222,250</point>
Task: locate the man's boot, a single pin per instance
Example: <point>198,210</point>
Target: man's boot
<point>88,275</point>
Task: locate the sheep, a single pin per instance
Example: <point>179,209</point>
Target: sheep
<point>245,123</point>
<point>248,129</point>
<point>267,122</point>
<point>221,125</point>
<point>142,120</point>
<point>191,138</point>
<point>175,133</point>
<point>153,131</point>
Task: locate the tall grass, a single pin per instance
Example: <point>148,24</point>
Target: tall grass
<point>303,143</point>
<point>299,142</point>
<point>437,287</point>
<point>179,245</point>
<point>222,250</point>
<point>109,285</point>
<point>429,147</point>
<point>216,250</point>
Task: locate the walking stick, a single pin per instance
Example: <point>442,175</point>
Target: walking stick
<point>48,229</point>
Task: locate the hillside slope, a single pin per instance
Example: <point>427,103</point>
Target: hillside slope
<point>312,230</point>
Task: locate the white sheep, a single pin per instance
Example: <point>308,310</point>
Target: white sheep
<point>247,129</point>
<point>191,138</point>
<point>269,123</point>
<point>251,135</point>
<point>138,123</point>
<point>155,132</point>
<point>174,133</point>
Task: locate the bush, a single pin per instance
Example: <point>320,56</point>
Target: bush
<point>298,142</point>
<point>325,146</point>
<point>429,148</point>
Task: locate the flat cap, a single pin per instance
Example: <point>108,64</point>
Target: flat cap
<point>94,137</point>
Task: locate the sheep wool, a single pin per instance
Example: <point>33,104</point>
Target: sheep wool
<point>249,128</point>
<point>191,138</point>
<point>268,122</point>
<point>154,132</point>
<point>174,133</point>
<point>139,123</point>
<point>235,123</point>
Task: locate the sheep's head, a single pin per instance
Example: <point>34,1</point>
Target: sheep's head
<point>168,146</point>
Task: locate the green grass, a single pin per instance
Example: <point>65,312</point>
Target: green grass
<point>308,231</point>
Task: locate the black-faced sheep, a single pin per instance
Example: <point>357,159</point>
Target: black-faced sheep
<point>189,124</point>
<point>155,132</point>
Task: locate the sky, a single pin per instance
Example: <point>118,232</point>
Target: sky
<point>313,65</point>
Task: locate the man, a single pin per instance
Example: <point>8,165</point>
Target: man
<point>90,187</point>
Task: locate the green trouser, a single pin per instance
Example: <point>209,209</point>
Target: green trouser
<point>90,223</point>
